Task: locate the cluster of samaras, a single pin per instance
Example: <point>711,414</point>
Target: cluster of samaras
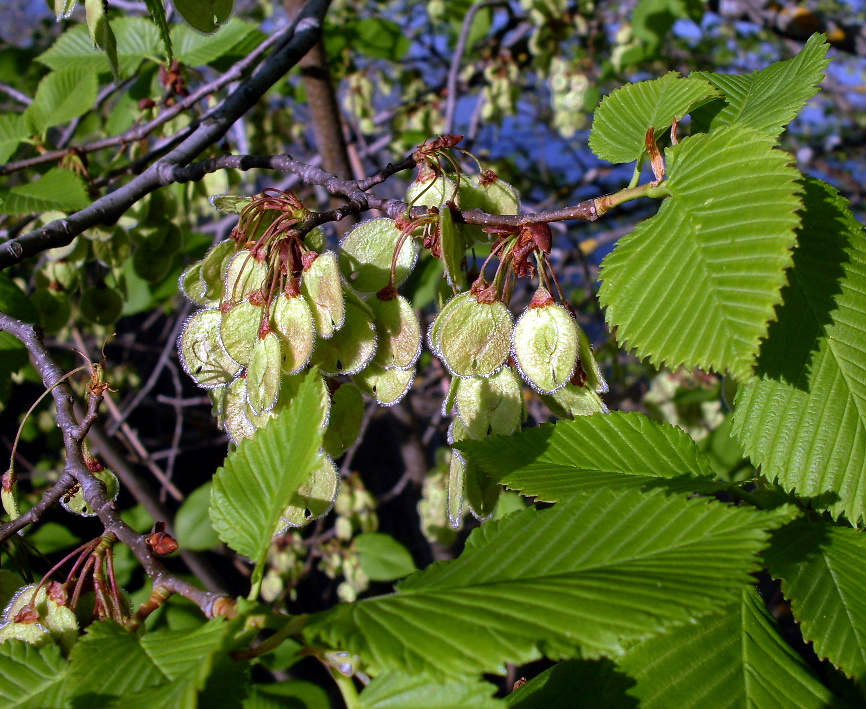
<point>276,303</point>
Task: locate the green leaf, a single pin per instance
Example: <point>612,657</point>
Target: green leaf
<point>296,694</point>
<point>13,128</point>
<point>823,569</point>
<point>621,121</point>
<point>204,15</point>
<point>696,284</point>
<point>194,49</point>
<point>156,8</point>
<point>61,96</point>
<point>595,571</point>
<point>137,38</point>
<point>30,677</point>
<point>803,418</point>
<point>616,450</point>
<point>601,686</point>
<point>259,477</point>
<point>398,690</point>
<point>14,302</point>
<point>56,189</point>
<point>379,38</point>
<point>768,99</point>
<point>192,525</point>
<point>734,659</point>
<point>382,557</point>
<point>110,663</point>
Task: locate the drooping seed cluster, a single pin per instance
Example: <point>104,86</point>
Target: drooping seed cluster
<point>276,304</point>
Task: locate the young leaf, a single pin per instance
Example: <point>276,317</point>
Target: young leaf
<point>616,450</point>
<point>696,284</point>
<point>61,96</point>
<point>667,560</point>
<point>823,568</point>
<point>195,49</point>
<point>399,690</point>
<point>56,189</point>
<point>768,99</point>
<point>735,658</point>
<point>156,8</point>
<point>803,418</point>
<point>137,39</point>
<point>382,557</point>
<point>12,129</point>
<point>205,15</point>
<point>100,30</point>
<point>621,121</point>
<point>259,478</point>
<point>30,676</point>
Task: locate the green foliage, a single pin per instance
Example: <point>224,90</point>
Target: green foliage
<point>382,557</point>
<point>56,189</point>
<point>822,572</point>
<point>615,450</point>
<point>696,284</point>
<point>398,690</point>
<point>621,121</point>
<point>475,613</point>
<point>259,478</point>
<point>31,677</point>
<point>803,417</point>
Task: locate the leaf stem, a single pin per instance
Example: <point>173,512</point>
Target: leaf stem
<point>347,688</point>
<point>609,201</point>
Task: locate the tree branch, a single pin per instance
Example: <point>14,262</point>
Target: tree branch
<point>304,33</point>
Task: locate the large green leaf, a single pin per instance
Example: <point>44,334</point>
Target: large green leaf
<point>618,449</point>
<point>195,49</point>
<point>56,189</point>
<point>137,38</point>
<point>204,15</point>
<point>61,96</point>
<point>110,666</point>
<point>31,678</point>
<point>575,684</point>
<point>399,690</point>
<point>696,284</point>
<point>768,99</point>
<point>823,572</point>
<point>803,418</point>
<point>13,129</point>
<point>621,121</point>
<point>594,571</point>
<point>734,659</point>
<point>259,478</point>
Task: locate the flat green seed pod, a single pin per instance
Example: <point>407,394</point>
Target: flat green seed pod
<point>237,422</point>
<point>453,247</point>
<point>451,398</point>
<point>264,373</point>
<point>544,345</point>
<point>431,192</point>
<point>398,330</point>
<point>201,354</point>
<point>352,347</point>
<point>476,338</point>
<point>101,305</point>
<point>293,320</point>
<point>314,498</point>
<point>572,400</point>
<point>594,378</point>
<point>218,405</point>
<point>344,424</point>
<point>75,502</point>
<point>456,474</point>
<point>387,386</point>
<point>193,287</point>
<point>239,329</point>
<point>214,266</point>
<point>367,254</point>
<point>259,420</point>
<point>489,406</point>
<point>322,288</point>
<point>34,634</point>
<point>497,197</point>
<point>244,275</point>
<point>434,334</point>
<point>315,240</point>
